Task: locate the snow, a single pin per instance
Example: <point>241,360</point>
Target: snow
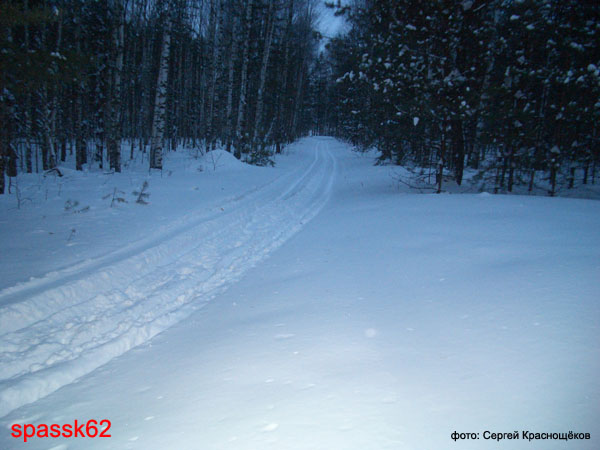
<point>576,46</point>
<point>221,160</point>
<point>323,308</point>
<point>44,225</point>
<point>61,327</point>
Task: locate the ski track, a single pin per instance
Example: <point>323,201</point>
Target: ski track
<point>67,324</point>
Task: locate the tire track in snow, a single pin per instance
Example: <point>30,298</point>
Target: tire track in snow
<point>15,294</point>
<point>58,334</point>
<point>179,241</point>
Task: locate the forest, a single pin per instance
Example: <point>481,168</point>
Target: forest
<point>510,89</point>
<point>84,77</point>
<point>506,90</point>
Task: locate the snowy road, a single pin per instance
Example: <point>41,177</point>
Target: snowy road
<point>61,327</point>
<point>388,322</point>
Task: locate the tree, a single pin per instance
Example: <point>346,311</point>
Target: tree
<point>160,102</point>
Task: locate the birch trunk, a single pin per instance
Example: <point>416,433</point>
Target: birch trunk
<point>263,72</point>
<point>240,141</point>
<point>113,142</point>
<point>160,102</point>
<point>229,106</point>
<point>215,7</point>
<point>283,96</point>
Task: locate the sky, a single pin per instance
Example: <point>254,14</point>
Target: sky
<point>329,25</point>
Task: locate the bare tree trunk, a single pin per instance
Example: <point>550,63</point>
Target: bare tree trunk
<point>99,132</point>
<point>113,141</point>
<point>46,107</point>
<point>3,143</point>
<point>80,143</point>
<point>27,101</point>
<point>283,95</point>
<point>439,176</point>
<point>215,9</point>
<point>511,171</point>
<point>160,102</point>
<point>243,84</point>
<point>55,93</point>
<point>48,160</point>
<point>263,71</point>
<point>458,144</point>
<point>63,149</point>
<point>229,106</point>
<point>297,102</point>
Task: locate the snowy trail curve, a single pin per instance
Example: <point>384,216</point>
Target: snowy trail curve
<point>55,331</point>
<point>391,320</point>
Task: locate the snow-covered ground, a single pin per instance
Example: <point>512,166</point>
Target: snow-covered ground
<point>69,322</point>
<point>389,321</point>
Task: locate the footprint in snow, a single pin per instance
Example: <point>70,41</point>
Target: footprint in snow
<point>270,427</point>
<point>284,336</point>
<point>186,271</point>
<point>370,332</point>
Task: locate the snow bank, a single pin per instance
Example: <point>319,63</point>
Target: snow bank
<point>220,160</point>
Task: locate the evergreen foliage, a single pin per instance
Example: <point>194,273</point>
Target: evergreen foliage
<point>511,89</point>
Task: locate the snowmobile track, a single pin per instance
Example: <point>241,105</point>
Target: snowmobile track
<point>60,327</point>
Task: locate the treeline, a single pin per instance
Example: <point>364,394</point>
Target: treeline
<point>510,88</point>
<point>84,77</point>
